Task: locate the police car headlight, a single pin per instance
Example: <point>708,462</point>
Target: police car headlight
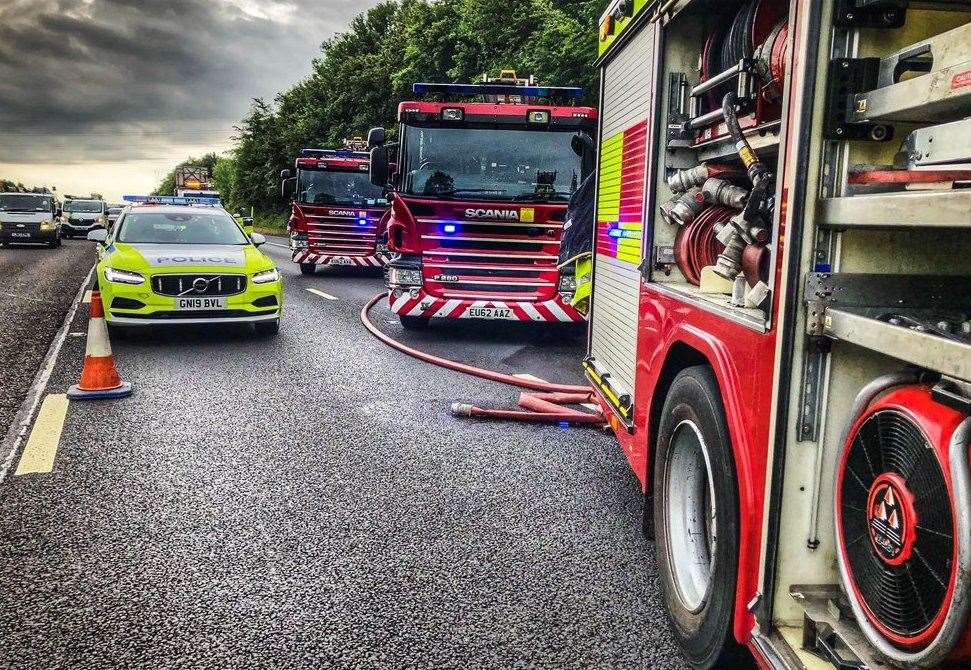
<point>267,277</point>
<point>123,277</point>
<point>404,277</point>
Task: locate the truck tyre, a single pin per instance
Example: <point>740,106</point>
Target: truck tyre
<point>414,322</point>
<point>696,521</point>
<point>308,269</point>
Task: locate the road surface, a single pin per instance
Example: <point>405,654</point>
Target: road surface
<point>307,501</point>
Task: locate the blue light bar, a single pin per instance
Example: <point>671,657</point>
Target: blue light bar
<point>170,200</point>
<point>499,89</point>
<point>623,234</point>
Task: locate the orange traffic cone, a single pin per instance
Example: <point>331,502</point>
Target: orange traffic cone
<point>99,379</point>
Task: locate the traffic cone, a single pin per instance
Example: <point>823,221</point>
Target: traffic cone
<point>99,379</point>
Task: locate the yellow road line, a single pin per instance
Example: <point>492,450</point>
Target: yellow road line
<point>38,457</point>
<point>321,294</point>
<point>87,298</point>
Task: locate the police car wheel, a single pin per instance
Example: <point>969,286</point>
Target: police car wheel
<point>696,521</point>
<point>414,322</point>
<point>308,269</point>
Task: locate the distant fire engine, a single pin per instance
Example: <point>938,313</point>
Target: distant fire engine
<point>337,212</point>
<point>479,196</point>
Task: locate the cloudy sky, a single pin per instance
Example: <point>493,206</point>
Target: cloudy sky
<point>108,95</point>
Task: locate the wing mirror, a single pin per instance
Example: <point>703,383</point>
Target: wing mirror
<point>288,187</point>
<point>257,239</point>
<point>376,137</point>
<point>99,235</point>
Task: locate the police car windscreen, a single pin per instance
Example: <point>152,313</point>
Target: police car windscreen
<point>84,206</point>
<point>20,202</point>
<point>490,164</point>
<point>180,228</point>
<point>323,187</point>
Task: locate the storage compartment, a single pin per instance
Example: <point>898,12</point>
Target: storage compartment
<point>715,222</point>
<point>886,266</point>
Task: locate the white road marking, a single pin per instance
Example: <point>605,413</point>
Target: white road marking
<point>328,296</point>
<point>25,416</point>
<point>282,246</point>
<point>41,449</point>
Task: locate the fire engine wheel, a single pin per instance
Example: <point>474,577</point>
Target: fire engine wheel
<point>696,520</point>
<point>414,322</point>
<point>308,269</point>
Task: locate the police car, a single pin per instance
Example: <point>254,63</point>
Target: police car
<point>172,260</point>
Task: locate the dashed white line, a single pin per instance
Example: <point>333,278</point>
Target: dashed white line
<point>328,296</point>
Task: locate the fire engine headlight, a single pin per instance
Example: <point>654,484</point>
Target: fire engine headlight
<point>539,116</point>
<point>452,114</point>
<point>123,277</point>
<point>404,277</point>
<point>298,242</point>
<point>266,277</point>
<point>568,284</point>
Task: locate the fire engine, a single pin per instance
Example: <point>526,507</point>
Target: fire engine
<point>337,212</point>
<point>479,194</point>
<point>780,328</point>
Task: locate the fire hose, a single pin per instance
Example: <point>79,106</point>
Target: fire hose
<point>545,406</point>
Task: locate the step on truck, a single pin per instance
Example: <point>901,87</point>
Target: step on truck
<point>482,181</point>
<point>780,325</point>
<point>337,213</point>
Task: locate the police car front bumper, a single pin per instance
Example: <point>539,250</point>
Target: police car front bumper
<point>168,320</point>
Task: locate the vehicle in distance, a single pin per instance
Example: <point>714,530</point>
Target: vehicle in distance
<point>82,215</point>
<point>29,218</point>
<point>114,211</point>
<point>185,261</point>
<point>336,211</point>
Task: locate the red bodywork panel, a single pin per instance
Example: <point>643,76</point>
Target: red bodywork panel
<point>484,257</point>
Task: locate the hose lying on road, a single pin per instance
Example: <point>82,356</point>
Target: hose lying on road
<point>545,407</point>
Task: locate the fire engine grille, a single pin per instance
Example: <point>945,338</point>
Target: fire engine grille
<point>491,260</point>
<point>341,237</point>
<point>199,284</point>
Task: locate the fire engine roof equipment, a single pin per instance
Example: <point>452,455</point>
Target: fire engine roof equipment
<point>550,92</point>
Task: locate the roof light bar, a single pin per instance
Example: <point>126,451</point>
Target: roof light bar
<point>500,89</point>
<point>170,200</point>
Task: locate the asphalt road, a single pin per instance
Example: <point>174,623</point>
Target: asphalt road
<point>37,286</point>
<point>307,502</point>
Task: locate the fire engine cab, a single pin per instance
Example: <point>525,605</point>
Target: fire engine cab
<point>780,326</point>
<point>483,178</point>
<point>337,212</point>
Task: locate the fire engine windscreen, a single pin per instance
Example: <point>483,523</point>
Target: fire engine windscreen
<point>490,164</point>
<point>25,203</point>
<point>326,187</point>
<point>181,228</point>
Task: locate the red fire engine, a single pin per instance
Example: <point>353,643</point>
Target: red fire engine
<point>780,326</point>
<point>337,212</point>
<point>479,197</point>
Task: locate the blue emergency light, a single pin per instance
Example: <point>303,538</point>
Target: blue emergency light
<point>621,233</point>
<point>552,92</point>
<point>171,200</point>
<point>450,228</point>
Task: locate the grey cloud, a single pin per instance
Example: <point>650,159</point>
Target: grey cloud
<point>88,80</point>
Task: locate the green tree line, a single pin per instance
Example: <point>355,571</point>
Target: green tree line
<point>362,74</point>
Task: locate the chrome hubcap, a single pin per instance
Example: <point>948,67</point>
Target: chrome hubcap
<point>689,500</point>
